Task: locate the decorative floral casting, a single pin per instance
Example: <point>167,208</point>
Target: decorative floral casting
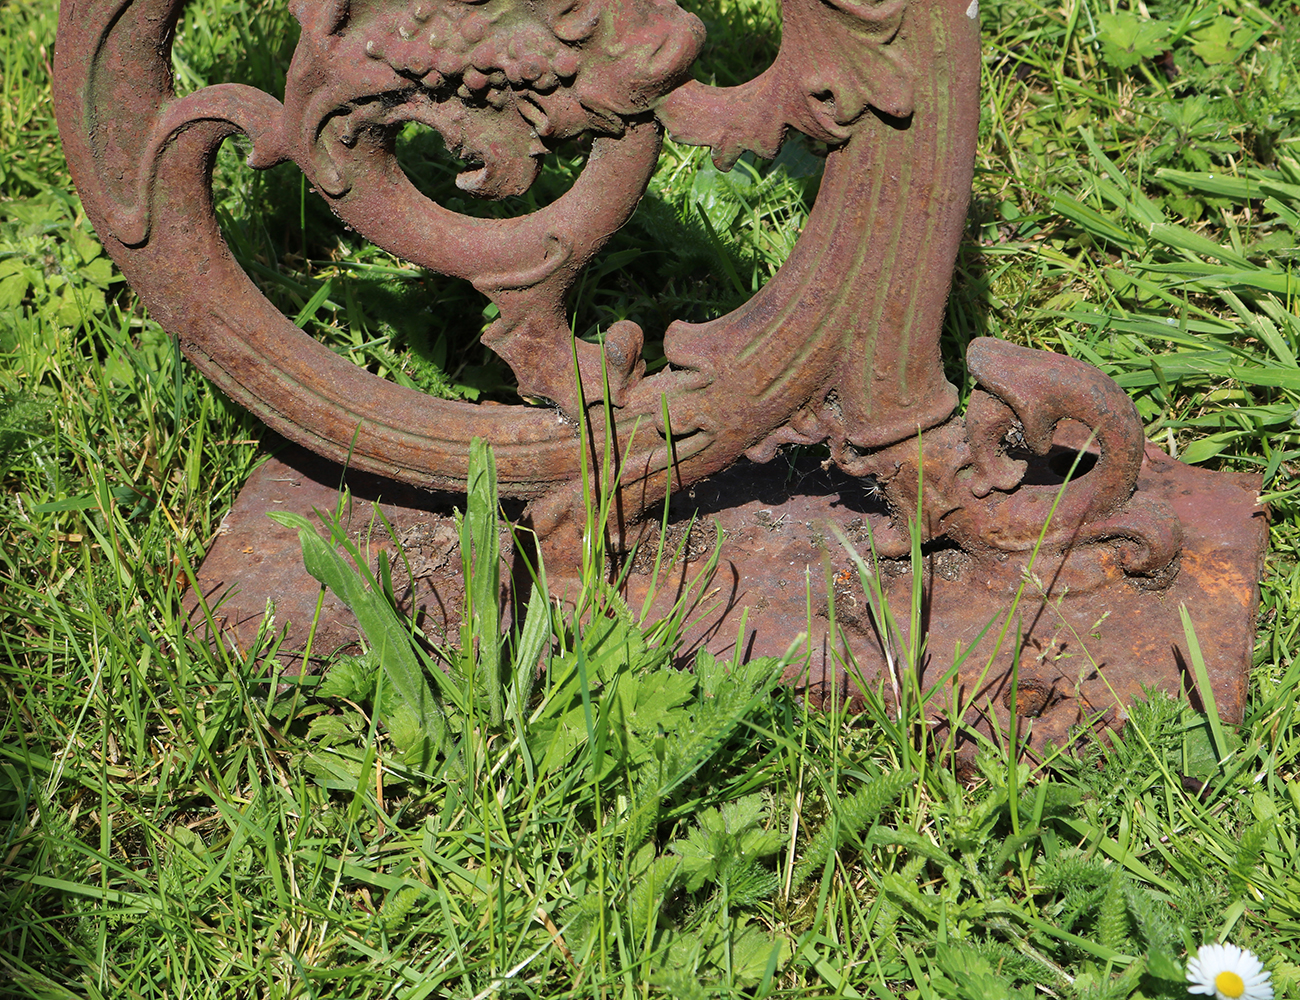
<point>838,58</point>
<point>500,80</point>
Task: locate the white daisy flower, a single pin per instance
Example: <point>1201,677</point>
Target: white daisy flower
<point>1226,972</point>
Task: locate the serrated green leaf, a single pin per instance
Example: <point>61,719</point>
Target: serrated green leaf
<point>13,289</point>
<point>327,729</point>
<point>914,842</point>
<point>852,815</point>
<point>98,272</point>
<point>348,677</point>
<point>650,892</point>
<point>405,727</point>
<point>75,306</point>
<point>1127,39</point>
<point>86,246</point>
<point>748,883</point>
<point>332,770</point>
<point>1214,43</point>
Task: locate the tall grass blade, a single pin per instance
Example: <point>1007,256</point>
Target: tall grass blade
<point>1203,685</point>
<point>480,554</point>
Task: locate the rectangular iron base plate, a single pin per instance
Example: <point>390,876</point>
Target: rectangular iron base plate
<point>1083,656</point>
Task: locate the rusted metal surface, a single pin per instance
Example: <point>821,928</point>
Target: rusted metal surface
<point>841,345</point>
<point>840,348</point>
<point>1096,622</point>
<point>255,566</point>
<point>1083,656</point>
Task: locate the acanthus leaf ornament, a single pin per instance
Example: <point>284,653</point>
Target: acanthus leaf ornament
<point>836,61</point>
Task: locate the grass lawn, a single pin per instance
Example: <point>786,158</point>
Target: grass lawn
<point>171,826</point>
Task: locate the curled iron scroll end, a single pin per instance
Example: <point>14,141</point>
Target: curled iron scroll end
<point>1044,465</point>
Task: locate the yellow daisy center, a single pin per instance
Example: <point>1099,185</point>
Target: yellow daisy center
<point>1229,984</point>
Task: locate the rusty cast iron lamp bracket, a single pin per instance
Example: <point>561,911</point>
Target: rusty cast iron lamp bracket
<point>840,348</point>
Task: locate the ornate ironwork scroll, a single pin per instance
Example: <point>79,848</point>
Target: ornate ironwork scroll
<point>841,347</point>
